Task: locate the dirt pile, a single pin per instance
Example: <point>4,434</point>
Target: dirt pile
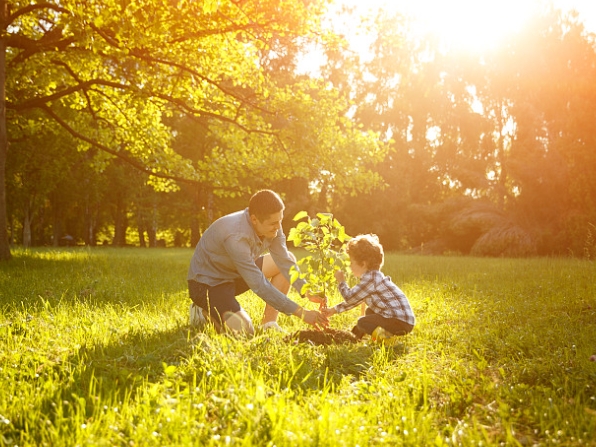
<point>323,337</point>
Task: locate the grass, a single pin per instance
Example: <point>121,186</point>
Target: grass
<point>95,350</point>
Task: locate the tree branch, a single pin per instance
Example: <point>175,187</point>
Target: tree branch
<point>136,164</point>
<point>145,56</point>
<point>42,101</point>
<point>72,73</point>
<point>30,8</point>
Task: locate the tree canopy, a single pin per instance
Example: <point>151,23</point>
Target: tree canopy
<point>123,114</point>
<point>108,74</point>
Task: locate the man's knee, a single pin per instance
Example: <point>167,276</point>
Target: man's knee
<point>239,322</point>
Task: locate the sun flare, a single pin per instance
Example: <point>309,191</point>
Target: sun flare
<point>470,24</point>
<point>473,24</point>
<point>465,24</point>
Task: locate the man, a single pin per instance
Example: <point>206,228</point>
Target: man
<point>229,260</point>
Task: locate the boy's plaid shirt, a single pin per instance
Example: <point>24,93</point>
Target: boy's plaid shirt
<point>380,294</point>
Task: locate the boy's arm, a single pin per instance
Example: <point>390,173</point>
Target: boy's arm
<point>355,295</point>
<point>329,312</point>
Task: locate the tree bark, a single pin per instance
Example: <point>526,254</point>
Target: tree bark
<point>27,226</point>
<point>195,222</point>
<point>4,244</point>
<point>120,225</point>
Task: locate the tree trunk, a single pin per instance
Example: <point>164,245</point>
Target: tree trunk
<point>141,231</point>
<point>90,219</point>
<point>4,245</point>
<point>57,226</point>
<point>27,227</point>
<point>120,225</point>
<point>152,230</point>
<point>195,222</point>
<point>89,227</point>
<point>141,222</point>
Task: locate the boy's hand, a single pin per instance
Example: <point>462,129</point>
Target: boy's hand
<point>339,276</point>
<point>329,312</point>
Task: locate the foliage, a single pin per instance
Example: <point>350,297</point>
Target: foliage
<point>508,125</point>
<point>323,238</point>
<point>112,75</point>
<point>95,350</point>
<point>205,97</point>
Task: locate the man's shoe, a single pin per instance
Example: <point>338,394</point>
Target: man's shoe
<point>196,315</point>
<point>272,326</point>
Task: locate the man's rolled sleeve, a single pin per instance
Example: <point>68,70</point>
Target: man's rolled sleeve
<point>280,255</point>
<point>240,253</point>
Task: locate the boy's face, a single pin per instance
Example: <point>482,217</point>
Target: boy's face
<point>358,269</point>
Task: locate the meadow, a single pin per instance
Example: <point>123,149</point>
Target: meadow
<point>95,350</point>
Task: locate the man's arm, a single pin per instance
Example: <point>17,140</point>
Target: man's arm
<point>281,256</point>
<point>240,254</point>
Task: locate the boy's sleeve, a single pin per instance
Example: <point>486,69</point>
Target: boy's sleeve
<point>352,297</point>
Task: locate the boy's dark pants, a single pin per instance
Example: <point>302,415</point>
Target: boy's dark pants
<point>370,321</point>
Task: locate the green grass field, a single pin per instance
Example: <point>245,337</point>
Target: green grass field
<point>95,350</point>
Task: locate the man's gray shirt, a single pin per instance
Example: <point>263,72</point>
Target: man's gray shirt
<point>228,250</point>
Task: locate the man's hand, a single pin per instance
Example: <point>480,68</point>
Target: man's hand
<point>329,312</point>
<point>339,276</point>
<point>315,318</point>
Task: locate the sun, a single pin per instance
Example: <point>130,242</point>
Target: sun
<point>459,24</point>
<point>471,24</point>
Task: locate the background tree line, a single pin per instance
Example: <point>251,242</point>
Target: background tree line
<point>141,122</point>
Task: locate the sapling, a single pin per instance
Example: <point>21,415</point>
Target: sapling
<point>323,238</point>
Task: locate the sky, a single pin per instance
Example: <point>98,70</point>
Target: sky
<point>586,9</point>
<point>465,24</point>
<point>476,23</point>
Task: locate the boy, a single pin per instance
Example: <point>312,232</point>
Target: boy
<point>388,307</point>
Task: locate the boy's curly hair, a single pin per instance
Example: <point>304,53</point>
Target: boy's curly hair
<point>366,249</point>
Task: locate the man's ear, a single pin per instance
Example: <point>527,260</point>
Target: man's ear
<point>254,219</point>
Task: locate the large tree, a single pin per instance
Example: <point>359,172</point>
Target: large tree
<point>109,72</point>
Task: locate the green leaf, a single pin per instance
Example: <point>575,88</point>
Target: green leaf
<point>294,275</point>
<point>300,215</point>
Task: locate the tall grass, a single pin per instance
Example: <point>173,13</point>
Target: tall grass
<point>95,350</point>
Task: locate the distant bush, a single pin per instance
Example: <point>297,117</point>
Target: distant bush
<point>508,240</point>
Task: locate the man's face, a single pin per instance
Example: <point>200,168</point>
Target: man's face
<point>268,227</point>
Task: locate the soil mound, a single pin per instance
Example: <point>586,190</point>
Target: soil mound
<point>323,337</point>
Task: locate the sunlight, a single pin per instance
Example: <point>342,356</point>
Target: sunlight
<point>459,24</point>
<point>472,25</point>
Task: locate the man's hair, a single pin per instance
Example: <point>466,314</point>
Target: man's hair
<point>366,249</point>
<point>264,203</point>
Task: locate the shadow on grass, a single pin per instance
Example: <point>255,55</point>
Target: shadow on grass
<point>304,365</point>
<point>133,359</point>
<point>94,378</point>
<point>113,374</point>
